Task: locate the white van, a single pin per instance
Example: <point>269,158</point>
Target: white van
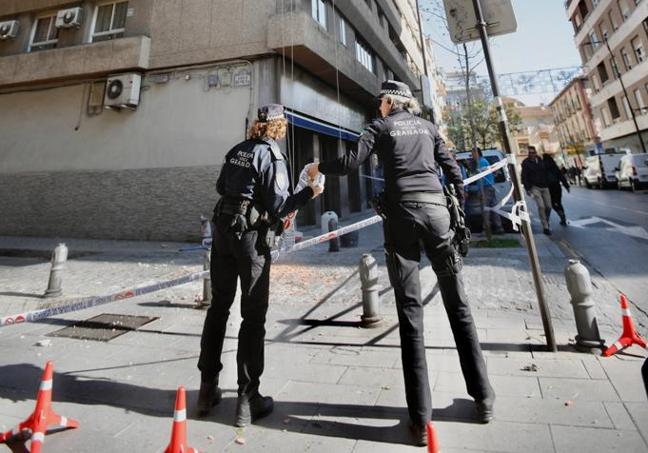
<point>633,171</point>
<point>599,170</point>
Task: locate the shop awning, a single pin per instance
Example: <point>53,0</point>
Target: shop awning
<point>321,128</point>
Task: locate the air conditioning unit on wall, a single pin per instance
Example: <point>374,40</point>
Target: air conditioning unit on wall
<point>9,29</point>
<point>123,91</point>
<point>69,18</point>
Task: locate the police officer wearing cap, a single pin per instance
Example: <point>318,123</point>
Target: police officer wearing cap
<point>255,194</point>
<point>417,216</point>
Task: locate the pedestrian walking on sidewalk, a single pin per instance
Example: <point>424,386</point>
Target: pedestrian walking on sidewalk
<point>255,194</point>
<point>556,177</point>
<point>534,179</point>
<point>416,214</point>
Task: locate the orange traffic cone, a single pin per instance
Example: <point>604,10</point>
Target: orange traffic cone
<point>433,441</point>
<point>42,417</point>
<point>178,442</point>
<point>629,335</point>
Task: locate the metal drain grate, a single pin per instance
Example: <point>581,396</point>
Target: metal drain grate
<point>103,327</point>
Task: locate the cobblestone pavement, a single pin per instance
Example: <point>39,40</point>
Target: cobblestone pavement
<point>338,387</point>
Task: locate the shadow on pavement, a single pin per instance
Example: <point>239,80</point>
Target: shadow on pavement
<point>20,383</point>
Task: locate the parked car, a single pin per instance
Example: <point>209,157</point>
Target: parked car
<point>502,186</point>
<point>632,171</point>
<point>599,170</point>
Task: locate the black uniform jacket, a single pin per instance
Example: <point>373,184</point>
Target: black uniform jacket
<point>256,170</point>
<point>409,147</point>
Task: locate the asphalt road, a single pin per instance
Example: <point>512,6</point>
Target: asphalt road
<point>609,230</point>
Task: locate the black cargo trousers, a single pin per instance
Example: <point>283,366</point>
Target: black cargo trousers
<point>246,257</point>
<point>409,227</point>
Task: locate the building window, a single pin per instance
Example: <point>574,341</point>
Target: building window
<point>606,117</point>
<point>613,21</point>
<point>638,48</point>
<point>319,12</point>
<point>45,34</point>
<point>603,30</point>
<point>614,108</point>
<point>364,55</point>
<point>615,68</point>
<point>640,102</point>
<point>602,72</point>
<point>109,21</point>
<point>594,39</point>
<point>626,107</point>
<point>626,59</point>
<point>342,30</point>
<point>624,9</point>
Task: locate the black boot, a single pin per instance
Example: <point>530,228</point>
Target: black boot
<point>419,434</point>
<point>208,396</point>
<point>249,409</point>
<point>485,409</point>
<point>563,220</point>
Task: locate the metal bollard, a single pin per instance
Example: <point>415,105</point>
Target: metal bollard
<point>59,257</point>
<point>207,290</point>
<point>334,244</point>
<point>579,285</point>
<point>368,269</point>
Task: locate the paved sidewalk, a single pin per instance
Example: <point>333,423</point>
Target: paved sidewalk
<point>337,387</point>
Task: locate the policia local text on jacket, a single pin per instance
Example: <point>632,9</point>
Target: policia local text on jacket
<point>255,194</point>
<point>417,214</point>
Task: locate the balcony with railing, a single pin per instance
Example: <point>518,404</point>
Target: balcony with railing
<point>76,62</point>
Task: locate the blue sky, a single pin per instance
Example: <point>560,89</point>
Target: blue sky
<point>544,39</point>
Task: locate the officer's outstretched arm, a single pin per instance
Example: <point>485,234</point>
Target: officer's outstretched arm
<point>355,157</point>
<point>276,191</point>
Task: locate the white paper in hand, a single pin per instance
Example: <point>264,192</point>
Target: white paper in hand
<point>305,181</point>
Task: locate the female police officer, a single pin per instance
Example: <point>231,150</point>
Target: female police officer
<point>416,213</point>
<point>255,195</point>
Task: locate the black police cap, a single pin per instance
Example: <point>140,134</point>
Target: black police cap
<point>395,88</point>
<point>271,112</point>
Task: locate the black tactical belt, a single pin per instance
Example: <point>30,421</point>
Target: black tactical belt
<point>437,198</point>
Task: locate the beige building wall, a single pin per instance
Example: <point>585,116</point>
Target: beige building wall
<point>76,169</point>
<point>624,25</point>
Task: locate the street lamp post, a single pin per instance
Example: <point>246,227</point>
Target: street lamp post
<point>517,188</point>
<point>617,73</point>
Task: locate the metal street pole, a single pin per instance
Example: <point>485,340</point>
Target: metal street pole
<point>517,189</point>
<point>615,68</point>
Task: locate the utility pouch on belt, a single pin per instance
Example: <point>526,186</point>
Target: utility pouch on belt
<point>377,202</point>
<point>461,239</point>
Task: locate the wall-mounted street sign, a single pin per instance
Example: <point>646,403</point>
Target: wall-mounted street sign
<point>462,20</point>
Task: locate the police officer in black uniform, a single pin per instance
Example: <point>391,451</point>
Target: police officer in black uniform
<point>417,215</point>
<point>255,194</point>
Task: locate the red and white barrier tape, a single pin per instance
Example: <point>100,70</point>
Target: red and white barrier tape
<point>516,216</point>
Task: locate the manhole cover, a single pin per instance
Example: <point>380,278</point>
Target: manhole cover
<point>103,327</point>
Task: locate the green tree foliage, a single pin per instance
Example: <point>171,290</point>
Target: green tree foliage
<point>485,121</point>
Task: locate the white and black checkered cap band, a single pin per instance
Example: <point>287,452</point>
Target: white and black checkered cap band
<point>396,93</point>
<point>275,117</point>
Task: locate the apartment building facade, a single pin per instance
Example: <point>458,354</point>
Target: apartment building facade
<point>612,38</point>
<point>576,127</point>
<point>115,116</point>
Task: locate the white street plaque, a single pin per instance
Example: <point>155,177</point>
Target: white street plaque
<point>462,20</point>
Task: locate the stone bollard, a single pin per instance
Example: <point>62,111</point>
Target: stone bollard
<point>368,269</point>
<point>579,285</point>
<point>59,257</point>
<point>334,244</point>
<point>207,290</point>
